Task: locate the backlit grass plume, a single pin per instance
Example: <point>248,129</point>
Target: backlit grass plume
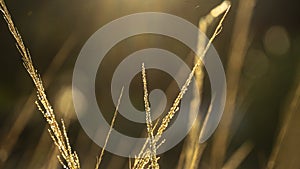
<point>149,155</point>
<point>58,133</point>
<point>153,159</point>
<point>69,158</point>
<point>166,120</point>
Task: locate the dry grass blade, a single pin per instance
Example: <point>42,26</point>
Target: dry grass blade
<point>28,108</point>
<point>291,109</point>
<point>99,159</point>
<point>166,120</point>
<point>239,46</point>
<point>58,134</point>
<point>192,150</point>
<point>154,163</point>
<point>239,155</point>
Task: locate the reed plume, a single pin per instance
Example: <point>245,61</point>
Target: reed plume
<point>57,133</point>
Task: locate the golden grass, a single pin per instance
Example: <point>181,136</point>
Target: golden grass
<point>99,159</point>
<point>290,110</point>
<point>57,133</point>
<point>147,157</point>
<point>238,156</point>
<point>239,46</point>
<point>153,159</point>
<point>166,120</point>
<point>28,108</point>
<point>192,150</point>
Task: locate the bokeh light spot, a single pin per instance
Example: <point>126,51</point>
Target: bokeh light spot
<point>277,41</point>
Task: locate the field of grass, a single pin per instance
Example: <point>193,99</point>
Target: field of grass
<point>258,42</point>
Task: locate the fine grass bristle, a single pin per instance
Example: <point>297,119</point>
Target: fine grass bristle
<point>99,159</point>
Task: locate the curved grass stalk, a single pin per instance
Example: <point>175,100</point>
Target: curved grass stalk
<point>239,46</point>
<point>166,120</point>
<point>57,133</point>
<point>192,150</point>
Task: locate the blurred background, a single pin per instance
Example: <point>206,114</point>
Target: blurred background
<point>259,47</point>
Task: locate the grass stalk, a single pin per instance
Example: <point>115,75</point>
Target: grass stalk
<point>192,150</point>
<point>99,159</point>
<point>239,46</point>
<point>57,133</point>
<point>166,120</point>
<point>154,163</point>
